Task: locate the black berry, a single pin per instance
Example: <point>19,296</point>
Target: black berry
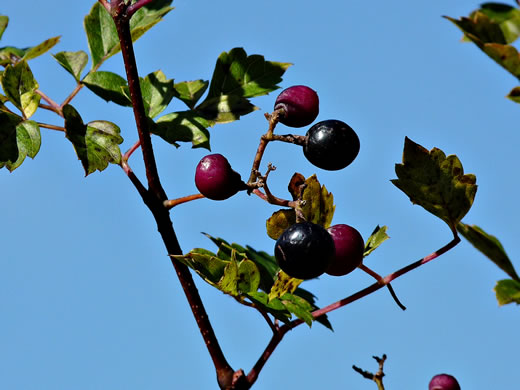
<point>300,105</point>
<point>331,145</point>
<point>304,250</point>
<point>443,382</point>
<point>215,179</point>
<point>349,250</point>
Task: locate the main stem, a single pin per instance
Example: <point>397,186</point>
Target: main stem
<point>154,198</point>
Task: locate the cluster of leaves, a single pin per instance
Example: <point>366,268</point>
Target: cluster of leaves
<point>237,78</point>
<point>494,27</point>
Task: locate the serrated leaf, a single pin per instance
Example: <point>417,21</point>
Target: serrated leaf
<point>435,182</point>
<point>283,284</point>
<point>4,21</point>
<point>237,73</point>
<point>109,86</point>
<point>377,237</point>
<point>102,37</point>
<point>191,91</point>
<point>279,221</point>
<point>19,86</point>
<point>507,291</point>
<point>205,263</point>
<point>72,62</point>
<point>40,49</point>
<point>319,203</point>
<point>299,307</point>
<point>18,139</point>
<point>225,108</point>
<point>157,92</point>
<point>95,143</point>
<point>183,126</point>
<point>490,246</point>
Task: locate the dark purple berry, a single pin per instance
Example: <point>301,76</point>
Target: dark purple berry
<point>304,250</point>
<point>215,179</point>
<point>300,106</point>
<point>331,145</point>
<point>443,382</point>
<point>349,250</point>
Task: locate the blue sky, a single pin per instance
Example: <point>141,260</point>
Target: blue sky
<point>88,296</point>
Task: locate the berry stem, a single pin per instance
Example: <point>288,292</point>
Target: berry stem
<point>379,278</point>
<point>130,151</point>
<point>171,203</point>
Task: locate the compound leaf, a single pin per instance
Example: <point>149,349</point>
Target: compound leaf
<point>377,237</point>
<point>72,62</point>
<point>205,263</point>
<point>183,126</point>
<point>109,86</point>
<point>95,143</point>
<point>191,91</point>
<point>299,307</point>
<point>225,108</point>
<point>490,246</point>
<point>508,291</point>
<point>283,284</point>
<point>273,306</point>
<point>102,38</point>
<point>20,87</point>
<point>435,182</point>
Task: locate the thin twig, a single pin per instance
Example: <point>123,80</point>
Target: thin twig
<point>54,106</point>
<point>136,6</point>
<point>379,278</point>
<point>51,127</point>
<point>171,203</point>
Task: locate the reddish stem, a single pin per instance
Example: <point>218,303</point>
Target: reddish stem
<point>169,204</point>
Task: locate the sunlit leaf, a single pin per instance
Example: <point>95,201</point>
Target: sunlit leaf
<point>435,182</point>
<point>191,91</point>
<point>508,291</point>
<point>72,62</point>
<point>95,143</point>
<point>18,139</point>
<point>102,38</point>
<point>506,16</point>
<point>4,21</point>
<point>377,237</point>
<point>225,108</point>
<point>275,307</point>
<point>11,55</point>
<point>40,49</point>
<point>283,284</point>
<point>20,87</point>
<point>299,307</point>
<point>279,221</point>
<point>148,16</point>
<point>109,86</point>
<point>490,246</point>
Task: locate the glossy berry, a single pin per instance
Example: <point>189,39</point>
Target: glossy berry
<point>443,382</point>
<point>331,145</point>
<point>300,106</point>
<point>349,250</point>
<point>215,179</point>
<point>304,250</point>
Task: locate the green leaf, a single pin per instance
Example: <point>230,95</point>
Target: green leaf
<point>299,307</point>
<point>183,126</point>
<point>274,307</point>
<point>435,182</point>
<point>4,21</point>
<point>225,108</point>
<point>205,263</point>
<point>96,143</point>
<point>191,91</point>
<point>490,246</point>
<point>40,49</point>
<point>101,31</point>
<point>148,16</point>
<point>508,291</point>
<point>237,73</point>
<point>72,62</point>
<point>18,139</point>
<point>480,28</point>
<point>11,55</point>
<point>318,208</point>
<point>283,284</point>
<point>514,95</point>
<point>279,221</point>
<point>309,297</point>
<point>102,38</point>
<point>248,276</point>
<point>506,16</point>
<point>19,86</point>
<point>108,86</point>
<point>228,282</point>
<point>157,93</point>
<point>377,237</point>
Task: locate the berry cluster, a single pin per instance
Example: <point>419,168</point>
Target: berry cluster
<point>305,250</point>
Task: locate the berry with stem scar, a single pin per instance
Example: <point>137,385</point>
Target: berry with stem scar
<point>299,105</point>
<point>215,179</point>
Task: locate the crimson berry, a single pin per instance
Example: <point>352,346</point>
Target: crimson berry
<point>300,105</point>
<point>331,145</point>
<point>215,179</point>
<point>443,382</point>
<point>349,249</point>
<point>304,250</point>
